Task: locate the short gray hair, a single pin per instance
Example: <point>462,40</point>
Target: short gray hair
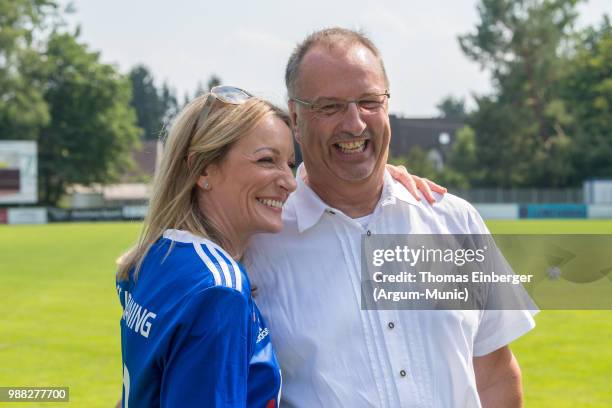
<point>329,37</point>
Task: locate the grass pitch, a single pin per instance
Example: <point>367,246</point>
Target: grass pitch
<point>566,359</point>
<point>60,324</point>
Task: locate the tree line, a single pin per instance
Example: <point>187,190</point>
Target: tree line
<point>85,116</point>
<point>545,124</point>
<point>548,120</point>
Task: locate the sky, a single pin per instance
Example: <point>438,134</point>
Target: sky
<point>247,43</point>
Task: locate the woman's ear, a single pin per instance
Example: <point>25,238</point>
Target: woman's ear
<point>205,179</point>
<point>203,183</point>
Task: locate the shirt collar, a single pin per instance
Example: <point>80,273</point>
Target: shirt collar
<point>186,237</point>
<point>309,207</point>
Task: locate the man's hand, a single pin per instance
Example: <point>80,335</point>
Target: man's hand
<point>498,379</point>
<point>414,183</point>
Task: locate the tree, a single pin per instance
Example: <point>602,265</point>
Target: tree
<point>587,90</point>
<point>56,92</point>
<point>153,106</point>
<point>417,162</point>
<point>92,128</point>
<point>200,90</point>
<point>452,108</point>
<point>213,81</point>
<point>521,130</point>
<point>169,103</point>
<point>22,108</point>
<point>461,169</point>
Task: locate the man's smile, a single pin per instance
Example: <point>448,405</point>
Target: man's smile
<point>352,147</point>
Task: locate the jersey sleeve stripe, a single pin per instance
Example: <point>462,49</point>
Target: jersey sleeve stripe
<point>234,266</point>
<point>224,266</point>
<point>225,281</point>
<point>238,274</point>
<point>208,262</point>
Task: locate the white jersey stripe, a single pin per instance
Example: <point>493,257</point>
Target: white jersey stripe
<point>226,272</point>
<point>237,273</point>
<point>280,388</point>
<point>227,265</point>
<point>208,262</point>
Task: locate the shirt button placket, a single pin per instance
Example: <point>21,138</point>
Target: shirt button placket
<point>399,357</point>
<point>391,326</point>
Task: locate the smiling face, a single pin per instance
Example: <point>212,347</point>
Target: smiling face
<point>250,184</point>
<point>350,146</point>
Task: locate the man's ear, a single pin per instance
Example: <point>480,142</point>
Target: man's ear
<point>294,121</point>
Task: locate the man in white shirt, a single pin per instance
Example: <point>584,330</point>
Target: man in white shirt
<point>332,353</point>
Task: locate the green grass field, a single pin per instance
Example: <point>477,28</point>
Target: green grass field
<point>60,324</point>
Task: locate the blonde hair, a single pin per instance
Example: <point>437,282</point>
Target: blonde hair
<point>189,148</point>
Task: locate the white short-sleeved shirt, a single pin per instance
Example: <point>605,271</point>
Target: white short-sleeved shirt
<point>332,353</point>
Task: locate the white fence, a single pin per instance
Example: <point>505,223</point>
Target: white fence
<point>522,195</point>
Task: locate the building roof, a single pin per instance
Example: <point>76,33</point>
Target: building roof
<point>146,159</point>
<point>115,192</point>
<point>427,133</point>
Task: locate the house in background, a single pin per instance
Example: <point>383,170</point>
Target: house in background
<point>134,188</point>
<point>146,159</point>
<point>434,136</point>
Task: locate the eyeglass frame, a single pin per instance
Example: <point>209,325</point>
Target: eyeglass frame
<point>311,105</point>
<point>214,95</point>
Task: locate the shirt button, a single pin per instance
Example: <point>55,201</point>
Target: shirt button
<point>403,373</point>
<point>368,233</point>
<point>391,325</point>
<point>332,212</point>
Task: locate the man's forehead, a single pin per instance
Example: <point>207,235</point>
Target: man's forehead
<point>339,55</point>
<point>340,62</point>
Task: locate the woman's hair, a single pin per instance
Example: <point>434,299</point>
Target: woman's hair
<point>190,147</point>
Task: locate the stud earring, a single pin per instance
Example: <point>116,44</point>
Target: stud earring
<point>206,185</point>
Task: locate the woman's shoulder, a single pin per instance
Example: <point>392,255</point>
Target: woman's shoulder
<point>203,263</point>
<point>177,277</point>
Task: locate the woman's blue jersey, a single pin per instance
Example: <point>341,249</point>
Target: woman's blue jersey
<point>191,334</point>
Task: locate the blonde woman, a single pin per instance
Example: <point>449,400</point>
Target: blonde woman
<point>191,334</point>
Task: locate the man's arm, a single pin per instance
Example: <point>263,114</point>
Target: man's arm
<point>498,379</point>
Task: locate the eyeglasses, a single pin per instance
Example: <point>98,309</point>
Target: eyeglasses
<point>331,106</point>
<point>226,94</point>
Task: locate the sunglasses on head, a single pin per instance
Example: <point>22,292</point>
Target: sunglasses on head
<point>227,94</point>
